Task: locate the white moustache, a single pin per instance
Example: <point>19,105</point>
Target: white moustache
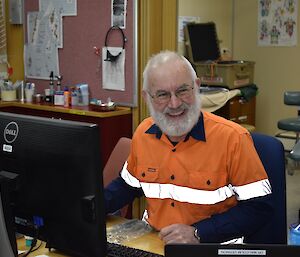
<point>180,109</point>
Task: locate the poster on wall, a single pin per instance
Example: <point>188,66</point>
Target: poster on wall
<point>118,15</point>
<point>45,36</point>
<point>277,22</point>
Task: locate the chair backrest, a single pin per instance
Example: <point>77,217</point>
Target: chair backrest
<point>271,153</point>
<point>114,165</point>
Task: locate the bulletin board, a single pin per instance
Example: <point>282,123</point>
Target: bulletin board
<point>78,62</point>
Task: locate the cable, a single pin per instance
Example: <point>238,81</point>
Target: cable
<point>37,246</point>
<point>33,244</point>
<point>34,241</point>
<point>109,56</point>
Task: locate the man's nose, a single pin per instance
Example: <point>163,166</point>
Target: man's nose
<point>174,101</point>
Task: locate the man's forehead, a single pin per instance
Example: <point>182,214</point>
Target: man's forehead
<point>171,75</point>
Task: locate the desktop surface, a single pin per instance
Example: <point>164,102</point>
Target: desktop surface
<point>149,242</point>
<point>152,243</point>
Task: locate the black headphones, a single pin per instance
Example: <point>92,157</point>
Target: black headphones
<point>109,56</point>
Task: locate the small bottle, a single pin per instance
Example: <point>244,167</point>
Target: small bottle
<point>58,85</point>
<point>21,91</point>
<point>66,97</point>
<point>74,97</point>
<point>79,94</point>
<point>294,235</point>
<point>51,84</point>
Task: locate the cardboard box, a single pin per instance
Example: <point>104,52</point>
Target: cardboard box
<point>204,53</point>
<point>229,74</point>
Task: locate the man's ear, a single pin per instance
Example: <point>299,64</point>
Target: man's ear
<point>144,95</point>
<point>198,82</point>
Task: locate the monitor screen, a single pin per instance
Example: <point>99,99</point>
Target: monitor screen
<point>55,172</point>
<point>204,42</point>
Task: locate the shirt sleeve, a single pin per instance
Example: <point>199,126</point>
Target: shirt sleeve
<point>118,194</point>
<point>242,220</point>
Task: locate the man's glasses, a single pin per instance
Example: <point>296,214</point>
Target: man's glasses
<point>184,92</point>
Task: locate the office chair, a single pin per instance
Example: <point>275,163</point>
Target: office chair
<point>271,153</point>
<point>293,125</point>
<point>114,165</point>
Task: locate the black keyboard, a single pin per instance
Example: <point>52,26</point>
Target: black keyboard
<point>116,250</point>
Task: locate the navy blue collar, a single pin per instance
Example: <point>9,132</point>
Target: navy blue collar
<point>197,132</point>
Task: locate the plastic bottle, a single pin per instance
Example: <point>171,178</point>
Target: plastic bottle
<point>294,236</point>
<point>66,97</point>
<point>50,94</point>
<point>59,79</point>
<point>51,84</point>
<point>21,91</point>
<point>74,97</point>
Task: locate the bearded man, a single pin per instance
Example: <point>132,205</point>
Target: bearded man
<point>200,174</point>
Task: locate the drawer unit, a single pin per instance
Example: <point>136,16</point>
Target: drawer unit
<point>239,110</point>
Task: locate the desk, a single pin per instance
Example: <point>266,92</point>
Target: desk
<point>148,242</point>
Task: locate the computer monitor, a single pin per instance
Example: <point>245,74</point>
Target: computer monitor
<point>51,171</point>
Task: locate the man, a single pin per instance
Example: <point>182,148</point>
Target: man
<point>200,173</point>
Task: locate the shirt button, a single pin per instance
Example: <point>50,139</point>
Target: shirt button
<point>172,204</point>
<point>143,174</point>
<point>174,150</point>
<point>172,177</point>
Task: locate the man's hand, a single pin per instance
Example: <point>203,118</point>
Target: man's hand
<point>178,233</point>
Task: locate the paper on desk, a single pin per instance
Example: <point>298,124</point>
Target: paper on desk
<point>127,231</point>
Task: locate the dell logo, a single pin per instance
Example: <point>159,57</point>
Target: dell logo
<point>11,132</point>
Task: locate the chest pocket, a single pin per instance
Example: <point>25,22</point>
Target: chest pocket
<point>206,180</point>
<point>147,174</point>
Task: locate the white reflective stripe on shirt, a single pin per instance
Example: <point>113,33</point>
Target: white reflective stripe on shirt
<point>255,189</point>
<point>185,194</point>
<point>197,196</point>
<point>129,179</point>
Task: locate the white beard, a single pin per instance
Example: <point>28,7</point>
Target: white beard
<point>180,126</point>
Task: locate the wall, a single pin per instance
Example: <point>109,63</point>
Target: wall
<point>15,45</point>
<point>276,70</point>
<point>217,11</point>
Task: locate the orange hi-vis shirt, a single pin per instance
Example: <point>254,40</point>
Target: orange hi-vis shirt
<point>207,173</point>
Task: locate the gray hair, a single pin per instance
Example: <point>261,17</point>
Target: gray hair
<point>163,57</point>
